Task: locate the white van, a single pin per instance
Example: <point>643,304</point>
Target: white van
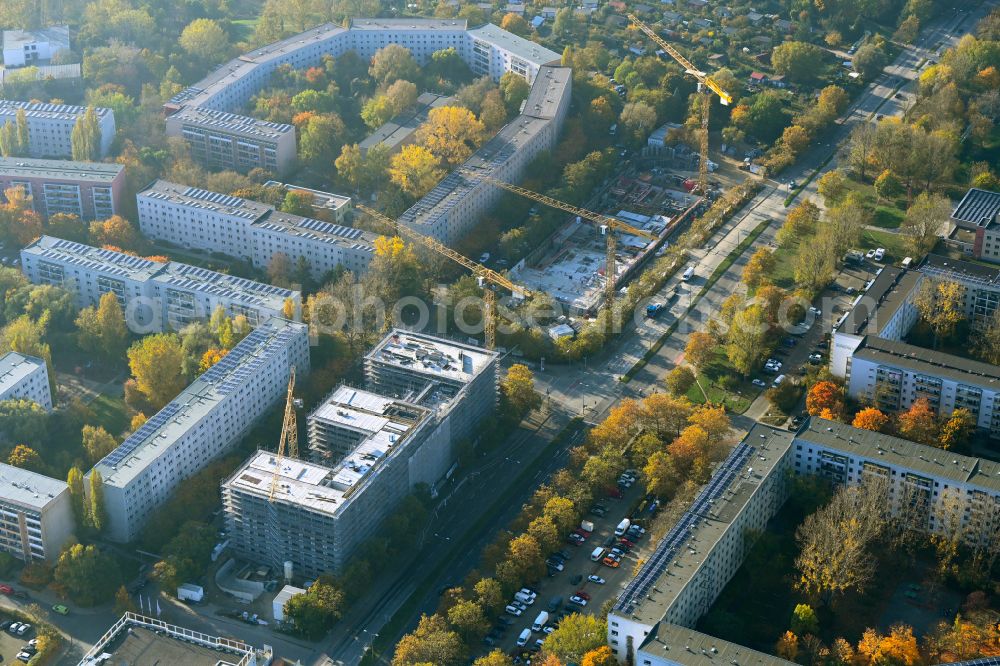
<point>597,555</point>
<point>623,527</point>
<point>688,273</point>
<point>540,621</point>
<point>778,380</point>
<point>525,599</point>
<point>907,261</point>
<point>522,640</point>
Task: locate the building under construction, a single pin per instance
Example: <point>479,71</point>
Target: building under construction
<point>368,450</point>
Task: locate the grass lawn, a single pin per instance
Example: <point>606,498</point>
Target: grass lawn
<point>887,217</point>
<point>783,274</point>
<point>894,244</point>
<point>110,413</point>
<point>712,382</point>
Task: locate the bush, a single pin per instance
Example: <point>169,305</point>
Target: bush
<point>785,396</point>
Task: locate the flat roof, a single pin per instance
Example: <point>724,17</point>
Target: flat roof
<point>28,489</point>
<point>963,271</point>
<point>403,24</point>
<point>320,199</point>
<point>547,91</point>
<point>693,648</point>
<point>880,302</point>
<point>680,554</point>
<point>195,402</point>
<point>18,39</point>
<point>977,208</point>
<point>143,641</point>
<point>292,43</point>
<point>9,107</point>
<point>92,258</point>
<point>889,450</point>
<point>929,361</point>
<point>14,367</point>
<point>432,355</point>
<point>234,123</point>
<point>518,46</point>
<point>26,167</point>
<point>225,204</point>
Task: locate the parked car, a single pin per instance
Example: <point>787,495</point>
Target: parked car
<point>815,358</point>
<point>598,511</point>
<point>594,578</point>
<point>513,610</point>
<point>6,589</point>
<point>583,595</point>
<point>759,383</point>
<point>879,254</point>
<point>61,609</point>
<point>578,600</point>
<point>609,562</point>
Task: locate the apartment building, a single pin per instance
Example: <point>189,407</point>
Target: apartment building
<point>220,138</point>
<point>691,565</point>
<point>36,515</point>
<point>211,222</point>
<point>24,377</point>
<point>205,421</point>
<point>50,126</point>
<point>868,347</point>
<point>451,210</point>
<point>155,296</point>
<point>27,48</point>
<point>933,490</point>
<point>977,222</point>
<point>369,449</point>
<point>89,190</point>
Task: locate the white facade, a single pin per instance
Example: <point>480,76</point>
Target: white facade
<point>32,47</point>
<point>212,222</point>
<point>206,420</point>
<point>36,514</point>
<point>933,490</point>
<point>451,210</point>
<point>224,139</point>
<point>370,449</point>
<point>50,126</point>
<point>25,378</point>
<point>154,296</point>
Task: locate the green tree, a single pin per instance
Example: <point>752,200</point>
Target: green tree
<point>89,576</point>
<point>514,90</point>
<point>639,118</point>
<point>23,420</point>
<point>98,514</point>
<point>21,134</point>
<point>518,390</point>
<point>870,60</point>
<point>799,61</point>
<point>97,442</point>
<point>156,362</point>
<point>469,620</point>
<point>102,329</point>
<point>314,613</point>
<point>494,658</point>
<point>745,339</point>
<point>489,594</point>
<point>680,379</point>
<point>393,62</point>
<point>205,40</point>
<point>887,185</point>
<point>322,137</point>
<point>85,139</point>
<point>8,140</point>
<point>576,636</point>
<point>832,186</point>
<point>77,495</point>
<point>924,222</point>
<point>432,642</point>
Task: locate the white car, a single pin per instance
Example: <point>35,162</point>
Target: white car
<point>12,629</point>
<point>23,629</point>
<point>548,629</point>
<point>513,610</point>
<point>870,254</point>
<point>759,383</point>
<point>528,593</point>
<point>594,578</point>
<point>578,600</point>
<point>880,254</point>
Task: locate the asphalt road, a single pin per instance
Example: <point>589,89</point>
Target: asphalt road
<point>591,387</point>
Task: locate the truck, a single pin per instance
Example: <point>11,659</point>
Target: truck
<point>623,527</point>
<point>190,592</point>
<point>540,621</point>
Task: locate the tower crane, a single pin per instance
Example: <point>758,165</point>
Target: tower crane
<point>485,275</point>
<point>289,435</point>
<point>706,85</point>
<point>608,226</point>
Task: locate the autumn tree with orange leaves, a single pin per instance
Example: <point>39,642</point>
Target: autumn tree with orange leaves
<point>918,423</point>
<point>825,395</point>
<point>870,418</point>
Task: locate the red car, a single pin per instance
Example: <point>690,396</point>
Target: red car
<point>615,493</point>
<point>6,589</point>
<point>625,542</point>
<point>581,533</point>
<point>581,593</point>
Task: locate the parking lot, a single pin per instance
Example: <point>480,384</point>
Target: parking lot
<point>578,567</point>
<point>10,645</point>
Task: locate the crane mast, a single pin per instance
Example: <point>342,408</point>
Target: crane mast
<point>486,276</point>
<point>706,85</point>
<point>609,225</point>
<point>289,439</point>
